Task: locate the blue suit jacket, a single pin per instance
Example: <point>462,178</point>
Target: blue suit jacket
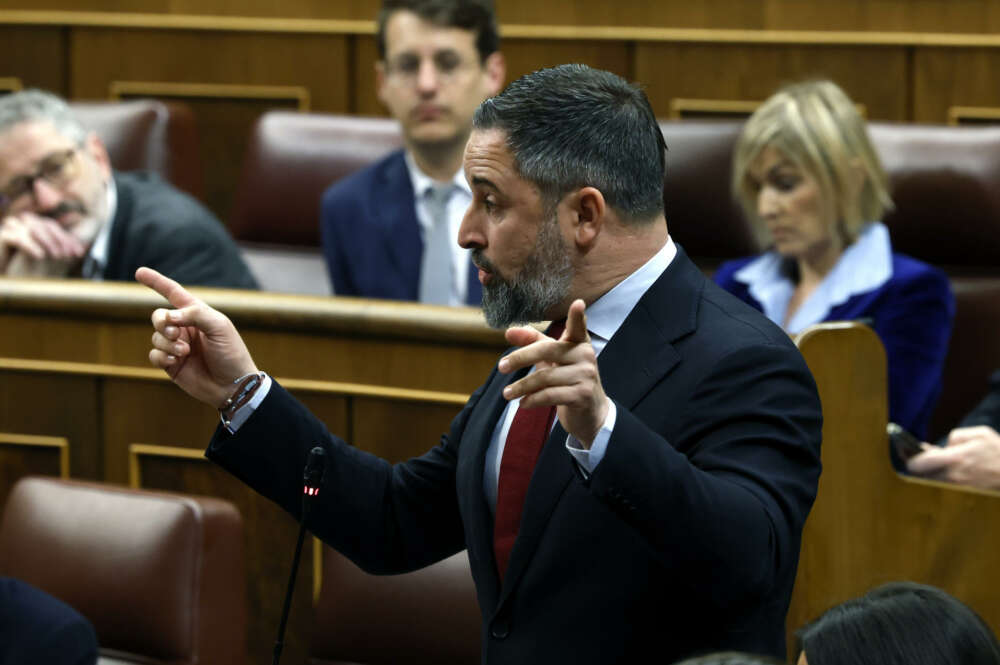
<point>684,539</point>
<point>371,236</point>
<point>912,314</point>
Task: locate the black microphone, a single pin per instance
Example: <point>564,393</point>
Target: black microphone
<point>313,476</point>
<point>312,479</point>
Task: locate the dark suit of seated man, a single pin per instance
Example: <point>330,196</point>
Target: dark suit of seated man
<point>389,230</point>
<point>970,454</point>
<point>64,212</point>
<point>644,489</point>
<point>37,629</point>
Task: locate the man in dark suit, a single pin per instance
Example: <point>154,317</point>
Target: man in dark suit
<point>389,230</point>
<point>64,212</point>
<point>38,629</point>
<point>970,454</point>
<point>661,510</point>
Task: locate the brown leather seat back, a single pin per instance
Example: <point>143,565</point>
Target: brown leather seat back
<point>702,213</point>
<point>973,352</point>
<point>148,135</point>
<point>291,159</point>
<point>946,187</point>
<point>160,576</point>
<point>429,616</point>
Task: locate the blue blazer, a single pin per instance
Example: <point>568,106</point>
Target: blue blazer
<point>912,314</point>
<point>371,236</point>
<point>685,538</point>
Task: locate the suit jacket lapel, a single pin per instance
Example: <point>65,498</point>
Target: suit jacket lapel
<point>639,355</point>
<point>394,205</point>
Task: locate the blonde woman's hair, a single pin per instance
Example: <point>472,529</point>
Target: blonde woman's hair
<point>816,125</point>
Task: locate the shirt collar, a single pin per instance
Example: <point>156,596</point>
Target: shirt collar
<point>865,265</point>
<point>422,182</point>
<point>97,257</point>
<point>606,315</point>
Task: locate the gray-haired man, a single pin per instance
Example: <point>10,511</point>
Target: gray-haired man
<point>65,212</point>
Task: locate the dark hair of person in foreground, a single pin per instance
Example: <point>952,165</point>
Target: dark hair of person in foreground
<point>731,658</point>
<point>899,623</point>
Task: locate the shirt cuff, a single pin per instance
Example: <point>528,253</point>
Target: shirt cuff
<point>588,460</point>
<point>241,414</point>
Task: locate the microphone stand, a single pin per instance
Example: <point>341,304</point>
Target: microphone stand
<point>313,478</point>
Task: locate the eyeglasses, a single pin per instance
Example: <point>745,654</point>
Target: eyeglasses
<point>448,64</point>
<point>57,169</point>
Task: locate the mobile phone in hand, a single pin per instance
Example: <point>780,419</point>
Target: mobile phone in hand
<point>905,443</point>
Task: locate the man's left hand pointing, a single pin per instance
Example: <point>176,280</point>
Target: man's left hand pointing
<point>565,375</point>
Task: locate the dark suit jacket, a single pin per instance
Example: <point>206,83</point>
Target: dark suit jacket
<point>38,629</point>
<point>161,227</point>
<point>912,314</point>
<point>684,539</point>
<point>987,412</point>
<point>371,236</point>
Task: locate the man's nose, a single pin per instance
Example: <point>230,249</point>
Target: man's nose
<point>767,203</point>
<point>470,235</point>
<point>46,195</point>
<point>428,78</point>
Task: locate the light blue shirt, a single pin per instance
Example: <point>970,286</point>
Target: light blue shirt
<point>604,317</point>
<point>864,266</point>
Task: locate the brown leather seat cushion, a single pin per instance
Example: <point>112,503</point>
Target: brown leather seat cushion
<point>427,617</point>
<point>160,575</point>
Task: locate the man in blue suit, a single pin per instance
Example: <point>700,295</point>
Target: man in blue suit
<point>389,231</point>
<point>635,486</point>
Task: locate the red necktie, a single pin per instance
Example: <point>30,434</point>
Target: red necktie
<point>525,440</point>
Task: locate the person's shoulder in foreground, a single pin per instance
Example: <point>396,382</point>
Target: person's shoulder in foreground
<point>38,629</point>
<point>161,227</point>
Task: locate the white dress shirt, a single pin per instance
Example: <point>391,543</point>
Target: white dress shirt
<point>97,257</point>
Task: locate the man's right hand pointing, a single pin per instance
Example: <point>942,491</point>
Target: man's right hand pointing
<point>197,346</point>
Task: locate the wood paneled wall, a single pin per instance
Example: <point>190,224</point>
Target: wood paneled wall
<point>231,61</point>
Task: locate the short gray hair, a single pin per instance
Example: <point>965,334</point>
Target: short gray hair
<point>38,105</point>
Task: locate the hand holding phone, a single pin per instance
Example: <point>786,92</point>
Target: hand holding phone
<point>905,443</point>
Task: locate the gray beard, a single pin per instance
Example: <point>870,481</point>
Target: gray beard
<point>542,283</point>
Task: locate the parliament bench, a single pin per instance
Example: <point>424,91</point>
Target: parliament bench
<point>870,525</point>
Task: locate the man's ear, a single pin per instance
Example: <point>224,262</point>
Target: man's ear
<point>97,152</point>
<point>380,80</point>
<point>495,70</point>
<point>588,209</point>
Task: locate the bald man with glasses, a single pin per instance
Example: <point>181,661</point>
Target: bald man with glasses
<point>64,212</point>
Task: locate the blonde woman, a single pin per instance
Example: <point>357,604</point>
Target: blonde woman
<point>806,173</point>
